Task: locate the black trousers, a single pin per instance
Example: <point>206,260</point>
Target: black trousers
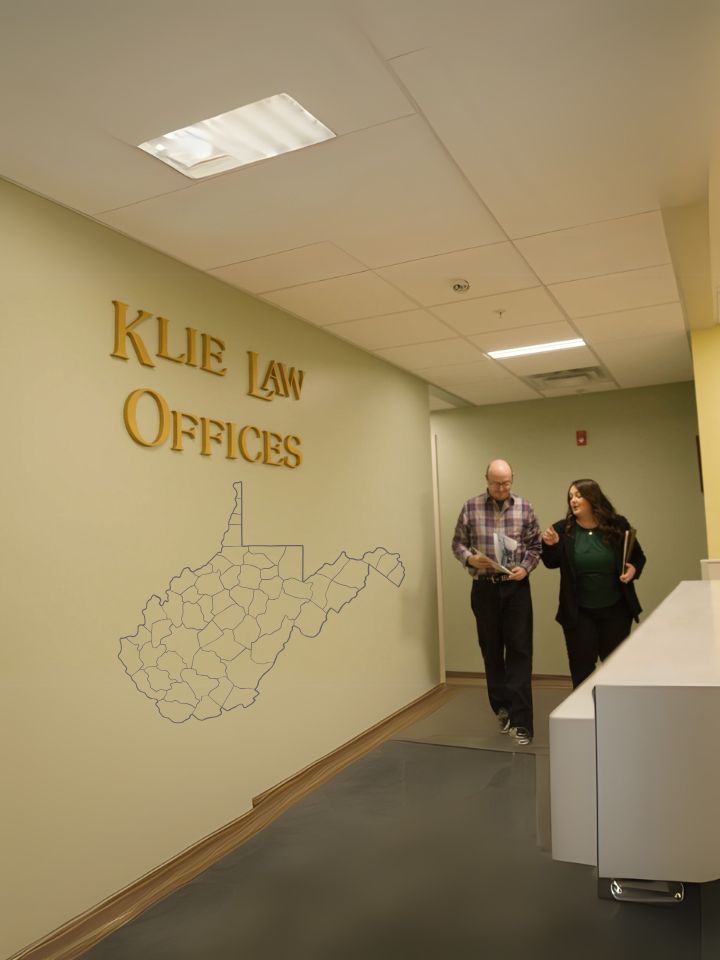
<point>503,613</point>
<point>596,634</point>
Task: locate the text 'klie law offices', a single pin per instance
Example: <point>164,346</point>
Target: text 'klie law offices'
<point>159,422</point>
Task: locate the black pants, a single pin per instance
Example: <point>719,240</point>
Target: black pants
<point>596,634</point>
<point>503,613</point>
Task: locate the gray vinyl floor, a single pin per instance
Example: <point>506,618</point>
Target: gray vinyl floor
<point>419,850</point>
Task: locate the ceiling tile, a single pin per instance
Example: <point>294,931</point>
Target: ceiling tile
<point>403,25</point>
<point>464,373</point>
<point>567,113</point>
<point>643,322</point>
<point>524,336</point>
<point>401,168</point>
<point>617,291</point>
<point>597,248</point>
<point>488,269</point>
<point>393,330</point>
<point>496,391</point>
<point>317,261</point>
<point>214,59</point>
<point>339,192</point>
<point>341,298</point>
<point>645,361</point>
<point>518,308</point>
<point>420,355</point>
<point>78,175</point>
<point>549,362</point>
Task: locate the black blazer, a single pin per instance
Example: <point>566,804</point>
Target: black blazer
<point>562,554</point>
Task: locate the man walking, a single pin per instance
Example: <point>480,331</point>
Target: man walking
<point>501,602</point>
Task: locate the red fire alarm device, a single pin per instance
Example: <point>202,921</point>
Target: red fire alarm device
<point>581,438</point>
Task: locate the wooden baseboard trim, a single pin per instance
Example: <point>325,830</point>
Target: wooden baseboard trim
<point>324,768</point>
<point>78,935</point>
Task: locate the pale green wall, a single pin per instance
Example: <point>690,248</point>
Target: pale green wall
<point>99,789</point>
<point>641,449</point>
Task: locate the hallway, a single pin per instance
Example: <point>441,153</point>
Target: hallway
<point>416,851</point>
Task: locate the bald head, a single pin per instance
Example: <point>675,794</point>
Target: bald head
<point>496,465</point>
<point>499,478</point>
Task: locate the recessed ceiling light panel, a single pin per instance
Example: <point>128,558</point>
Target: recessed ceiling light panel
<point>536,348</point>
<point>267,128</point>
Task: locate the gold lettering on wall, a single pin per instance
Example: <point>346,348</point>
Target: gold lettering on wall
<point>271,449</point>
<point>189,430</point>
<point>125,332</point>
<point>208,354</point>
<point>205,425</point>
<point>191,347</point>
<point>242,442</point>
<point>128,332</point>
<point>163,342</point>
<point>180,431</point>
<point>278,381</point>
<point>291,445</point>
<point>252,443</point>
<point>292,380</point>
<point>130,418</point>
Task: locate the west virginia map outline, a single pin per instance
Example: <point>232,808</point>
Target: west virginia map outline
<point>203,648</point>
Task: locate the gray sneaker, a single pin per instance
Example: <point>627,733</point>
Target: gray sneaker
<point>503,718</point>
<point>520,735</point>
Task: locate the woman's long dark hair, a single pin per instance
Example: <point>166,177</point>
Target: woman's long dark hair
<point>603,510</point>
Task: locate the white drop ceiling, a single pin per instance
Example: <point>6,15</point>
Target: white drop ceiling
<point>532,148</point>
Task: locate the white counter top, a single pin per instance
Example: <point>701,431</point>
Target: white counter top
<point>635,782</point>
<point>678,644</point>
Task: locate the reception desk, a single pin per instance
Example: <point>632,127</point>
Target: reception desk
<point>635,750</point>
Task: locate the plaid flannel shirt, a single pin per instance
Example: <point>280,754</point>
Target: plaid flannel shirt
<point>481,517</point>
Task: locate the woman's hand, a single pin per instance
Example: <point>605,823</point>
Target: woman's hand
<point>629,573</point>
<point>551,537</point>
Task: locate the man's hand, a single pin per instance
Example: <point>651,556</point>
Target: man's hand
<point>517,573</point>
<point>479,563</point>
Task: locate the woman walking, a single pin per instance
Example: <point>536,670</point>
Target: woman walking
<point>597,590</point>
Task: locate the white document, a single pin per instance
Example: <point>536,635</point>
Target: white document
<point>505,548</point>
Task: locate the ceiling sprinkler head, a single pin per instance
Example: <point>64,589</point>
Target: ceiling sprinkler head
<point>460,286</point>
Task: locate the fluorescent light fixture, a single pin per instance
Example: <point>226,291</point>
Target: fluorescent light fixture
<point>247,134</point>
<point>536,348</point>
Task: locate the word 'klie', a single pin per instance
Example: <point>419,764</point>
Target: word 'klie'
<point>128,332</point>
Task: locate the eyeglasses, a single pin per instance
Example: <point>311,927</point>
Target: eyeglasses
<point>505,484</point>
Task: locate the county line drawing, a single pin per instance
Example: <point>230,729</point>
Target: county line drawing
<point>202,648</point>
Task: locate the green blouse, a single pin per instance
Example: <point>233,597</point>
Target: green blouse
<point>597,578</point>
